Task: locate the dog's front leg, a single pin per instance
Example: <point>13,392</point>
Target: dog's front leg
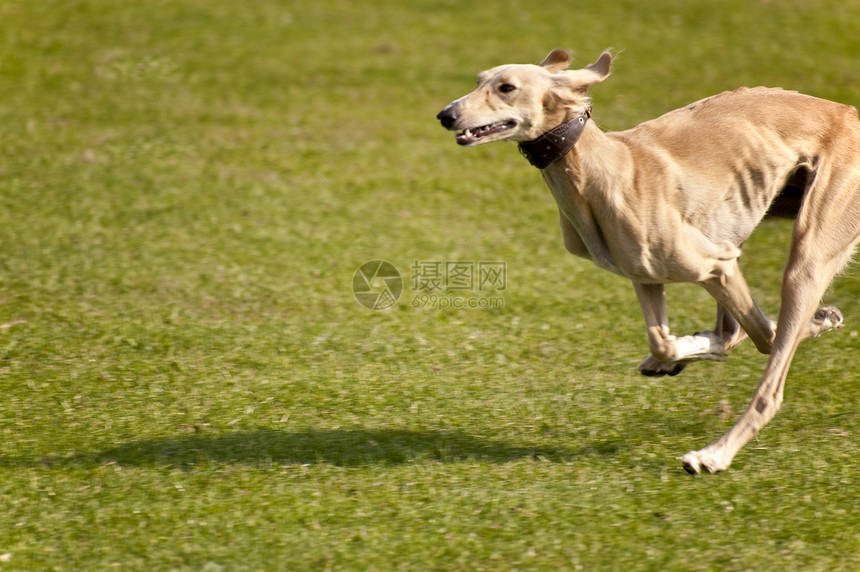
<point>670,354</point>
<point>730,290</point>
<point>728,329</point>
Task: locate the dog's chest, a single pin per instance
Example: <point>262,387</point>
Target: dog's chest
<point>621,240</point>
<point>576,210</point>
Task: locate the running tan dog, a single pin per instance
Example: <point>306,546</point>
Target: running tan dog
<point>673,200</point>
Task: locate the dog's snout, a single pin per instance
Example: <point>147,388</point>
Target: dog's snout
<point>448,117</point>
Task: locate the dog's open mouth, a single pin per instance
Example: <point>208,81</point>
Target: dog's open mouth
<point>474,134</point>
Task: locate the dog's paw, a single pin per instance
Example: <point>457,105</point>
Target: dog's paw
<point>652,367</point>
<point>707,459</point>
<point>825,319</point>
<point>701,346</point>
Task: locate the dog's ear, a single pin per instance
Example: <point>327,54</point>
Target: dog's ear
<point>556,61</point>
<point>602,65</point>
<point>580,80</point>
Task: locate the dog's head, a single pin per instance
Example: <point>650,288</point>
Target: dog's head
<point>522,102</point>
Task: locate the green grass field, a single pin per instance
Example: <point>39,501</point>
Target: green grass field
<point>188,383</point>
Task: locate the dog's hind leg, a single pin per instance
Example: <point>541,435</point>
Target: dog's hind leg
<point>798,320</point>
<point>818,252</point>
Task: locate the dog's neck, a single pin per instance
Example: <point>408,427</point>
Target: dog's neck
<point>555,143</point>
<point>586,184</point>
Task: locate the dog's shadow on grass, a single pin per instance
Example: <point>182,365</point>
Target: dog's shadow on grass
<point>340,447</point>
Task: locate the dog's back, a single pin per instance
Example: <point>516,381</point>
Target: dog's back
<point>757,139</point>
<point>732,117</point>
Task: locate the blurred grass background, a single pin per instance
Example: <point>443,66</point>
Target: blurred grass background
<point>186,189</point>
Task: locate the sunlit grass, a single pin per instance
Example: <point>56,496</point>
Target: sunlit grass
<point>188,382</point>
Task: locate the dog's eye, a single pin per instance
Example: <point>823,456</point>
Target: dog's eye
<point>507,88</point>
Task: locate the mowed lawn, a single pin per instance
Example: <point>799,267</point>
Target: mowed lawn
<point>187,189</point>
